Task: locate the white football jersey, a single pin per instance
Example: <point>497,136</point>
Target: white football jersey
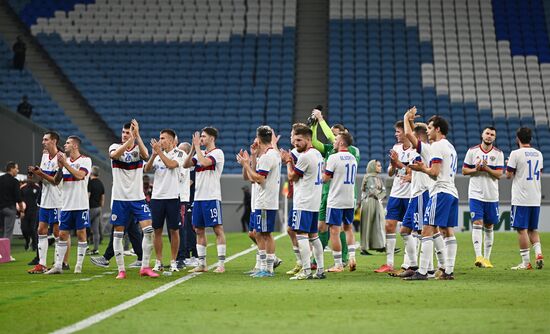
<point>185,181</point>
<point>526,163</point>
<point>127,175</point>
<point>75,193</point>
<point>342,167</point>
<point>253,191</point>
<point>308,188</point>
<point>166,182</point>
<point>444,153</point>
<point>420,182</point>
<point>208,186</point>
<point>51,194</point>
<point>483,187</point>
<point>294,154</point>
<point>401,189</point>
<point>268,165</point>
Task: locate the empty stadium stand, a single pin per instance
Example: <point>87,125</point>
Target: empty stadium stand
<point>178,64</point>
<point>475,62</point>
<point>14,84</point>
<point>189,63</point>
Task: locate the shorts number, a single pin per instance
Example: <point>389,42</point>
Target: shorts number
<point>85,215</point>
<point>214,213</point>
<point>145,208</point>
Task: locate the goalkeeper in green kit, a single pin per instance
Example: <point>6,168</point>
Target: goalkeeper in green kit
<point>315,121</point>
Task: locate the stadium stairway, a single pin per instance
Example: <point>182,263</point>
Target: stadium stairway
<point>181,64</point>
<point>311,57</point>
<point>50,77</point>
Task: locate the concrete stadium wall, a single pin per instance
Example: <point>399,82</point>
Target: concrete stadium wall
<point>22,142</point>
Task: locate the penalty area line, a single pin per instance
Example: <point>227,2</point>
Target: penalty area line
<point>96,318</point>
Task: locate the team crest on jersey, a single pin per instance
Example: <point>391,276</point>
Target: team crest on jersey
<point>135,154</point>
<point>49,165</point>
<point>113,217</point>
<point>493,158</point>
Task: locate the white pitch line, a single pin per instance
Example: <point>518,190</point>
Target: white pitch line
<point>94,319</point>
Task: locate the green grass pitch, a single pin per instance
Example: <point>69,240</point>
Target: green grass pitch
<point>494,300</point>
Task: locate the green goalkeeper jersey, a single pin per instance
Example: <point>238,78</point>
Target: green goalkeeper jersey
<point>328,149</point>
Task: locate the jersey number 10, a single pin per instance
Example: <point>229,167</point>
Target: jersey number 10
<point>351,170</point>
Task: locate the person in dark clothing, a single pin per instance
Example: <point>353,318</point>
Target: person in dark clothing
<point>133,231</point>
<point>246,205</point>
<point>11,202</point>
<point>19,53</point>
<point>25,108</point>
<point>185,184</point>
<point>30,192</point>
<point>96,193</point>
<point>147,188</point>
<point>187,254</point>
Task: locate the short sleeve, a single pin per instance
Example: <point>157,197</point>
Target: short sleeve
<point>265,164</point>
<point>218,155</point>
<point>512,162</point>
<point>113,147</point>
<point>499,164</point>
<point>437,155</point>
<point>331,162</point>
<point>86,165</point>
<point>215,156</point>
<point>294,155</point>
<point>180,157</point>
<point>469,160</point>
<point>302,164</point>
<point>415,157</point>
<point>425,151</point>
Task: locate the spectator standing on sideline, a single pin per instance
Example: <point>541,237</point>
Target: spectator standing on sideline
<point>245,218</point>
<point>10,199</point>
<point>30,193</point>
<point>19,53</point>
<point>25,108</point>
<point>373,191</point>
<point>96,193</point>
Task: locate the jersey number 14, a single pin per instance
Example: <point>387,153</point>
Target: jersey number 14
<point>533,170</point>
